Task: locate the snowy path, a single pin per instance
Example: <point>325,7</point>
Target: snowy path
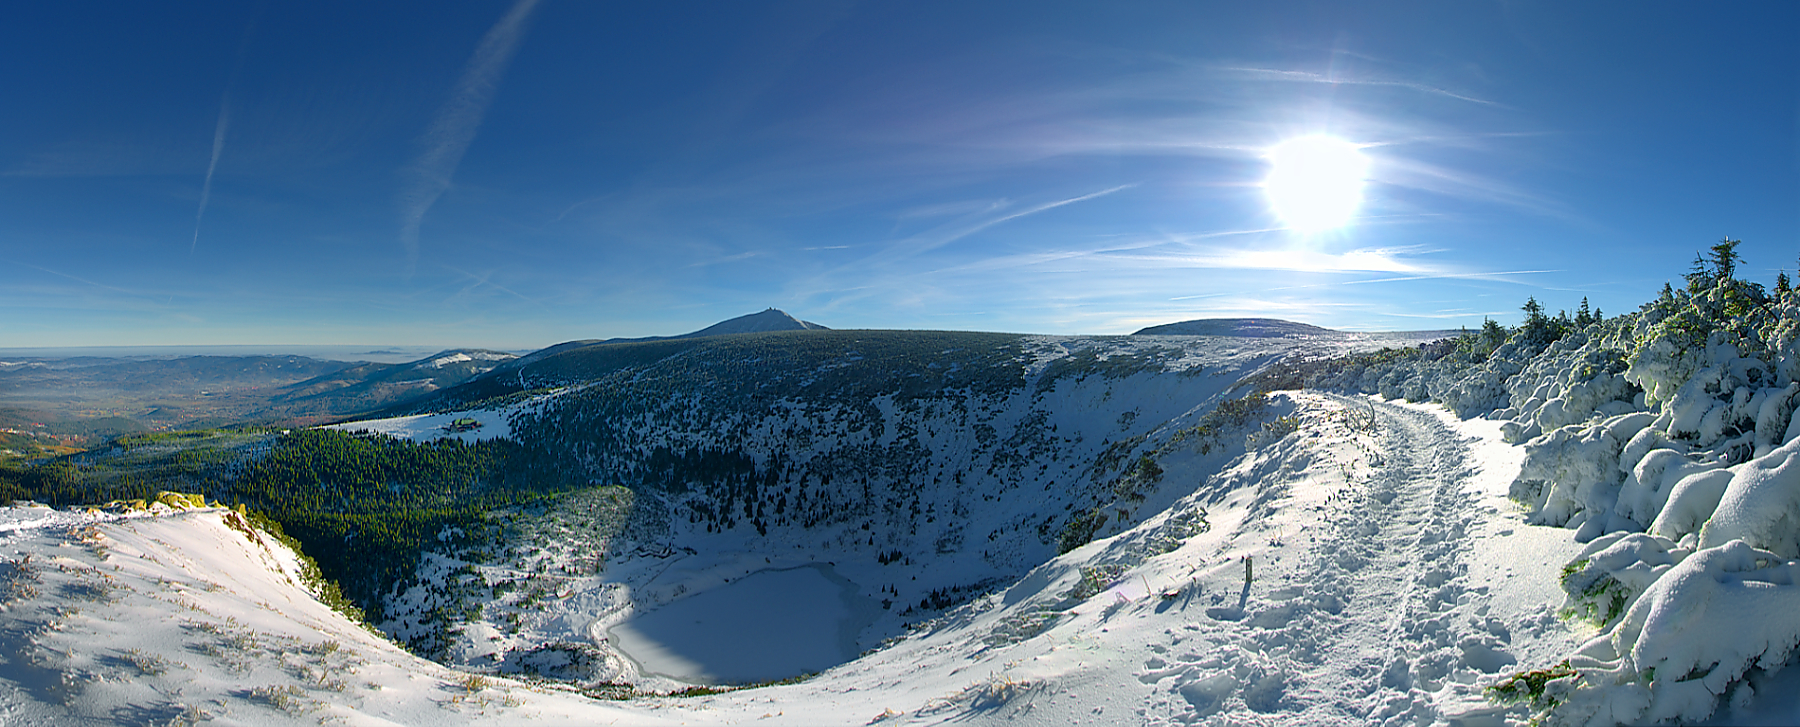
<point>1395,550</point>
<point>1361,610</point>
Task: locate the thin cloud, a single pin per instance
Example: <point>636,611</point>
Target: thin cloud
<point>1312,77</point>
<point>827,284</point>
<point>102,286</point>
<point>485,281</point>
<point>933,244</point>
<point>1471,276</point>
<point>454,129</point>
<point>1495,275</point>
<point>953,208</point>
<point>726,259</point>
<point>1301,261</point>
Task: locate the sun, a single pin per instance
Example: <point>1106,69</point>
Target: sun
<point>1316,183</point>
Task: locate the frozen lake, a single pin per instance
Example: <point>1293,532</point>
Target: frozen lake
<point>771,624</point>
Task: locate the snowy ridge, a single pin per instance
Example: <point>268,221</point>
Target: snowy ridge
<point>195,617</point>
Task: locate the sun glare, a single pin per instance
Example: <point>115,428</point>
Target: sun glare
<point>1316,183</point>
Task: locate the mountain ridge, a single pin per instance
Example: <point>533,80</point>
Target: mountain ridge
<point>766,321</point>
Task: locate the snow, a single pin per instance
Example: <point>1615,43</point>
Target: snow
<point>1366,562</point>
<point>495,424</point>
<point>187,617</point>
<point>1760,505</point>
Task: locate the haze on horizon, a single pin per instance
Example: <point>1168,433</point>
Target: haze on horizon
<point>515,174</point>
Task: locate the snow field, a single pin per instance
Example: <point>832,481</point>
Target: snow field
<point>495,424</point>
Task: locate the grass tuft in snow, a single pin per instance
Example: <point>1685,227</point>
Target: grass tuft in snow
<point>147,664</point>
<point>1096,578</point>
<point>1529,687</point>
<point>1601,601</point>
<point>285,697</point>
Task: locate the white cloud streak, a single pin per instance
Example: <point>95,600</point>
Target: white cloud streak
<point>218,147</point>
<point>456,123</point>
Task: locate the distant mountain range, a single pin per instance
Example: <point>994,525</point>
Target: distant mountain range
<point>102,396</point>
<point>767,321</point>
<point>1270,328</point>
<point>1241,327</point>
<point>372,385</point>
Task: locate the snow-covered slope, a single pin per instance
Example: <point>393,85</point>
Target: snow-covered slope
<point>1377,595</point>
<point>195,617</point>
<point>943,548</point>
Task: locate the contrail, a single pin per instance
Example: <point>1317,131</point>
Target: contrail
<point>237,69</point>
<point>218,146</point>
<point>972,229</point>
<point>454,128</point>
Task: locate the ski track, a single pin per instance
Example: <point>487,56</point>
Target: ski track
<point>1375,622</point>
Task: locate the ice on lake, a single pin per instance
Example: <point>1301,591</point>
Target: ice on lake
<point>771,624</point>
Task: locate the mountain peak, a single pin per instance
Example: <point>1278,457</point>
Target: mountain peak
<point>773,319</point>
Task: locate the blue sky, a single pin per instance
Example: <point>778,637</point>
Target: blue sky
<point>513,175</point>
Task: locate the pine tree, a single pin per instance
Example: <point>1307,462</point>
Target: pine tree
<point>1534,313</point>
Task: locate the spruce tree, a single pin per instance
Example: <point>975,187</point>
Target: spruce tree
<point>1493,335</point>
<point>1698,278</point>
<point>1583,316</point>
<point>1725,259</point>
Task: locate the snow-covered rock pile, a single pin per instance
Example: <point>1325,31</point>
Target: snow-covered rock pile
<point>1667,439</point>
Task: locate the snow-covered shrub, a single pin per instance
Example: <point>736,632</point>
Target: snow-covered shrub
<point>1688,640</point>
<point>1613,571</point>
<point>1574,472</point>
<point>1650,483</point>
<point>1760,505</point>
<point>1272,431</point>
